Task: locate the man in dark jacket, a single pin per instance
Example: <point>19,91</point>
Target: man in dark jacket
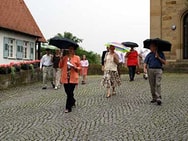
<point>103,56</point>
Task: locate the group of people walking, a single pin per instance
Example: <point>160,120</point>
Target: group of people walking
<point>49,65</point>
<point>153,63</point>
<point>65,70</point>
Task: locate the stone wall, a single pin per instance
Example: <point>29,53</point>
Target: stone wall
<point>30,76</point>
<point>163,15</point>
<point>19,78</point>
<point>24,77</point>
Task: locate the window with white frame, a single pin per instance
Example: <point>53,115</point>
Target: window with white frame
<point>18,49</point>
<point>8,50</point>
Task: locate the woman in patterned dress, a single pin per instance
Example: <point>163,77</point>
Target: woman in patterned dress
<point>111,77</point>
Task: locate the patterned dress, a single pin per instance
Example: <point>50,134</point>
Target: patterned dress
<point>111,77</point>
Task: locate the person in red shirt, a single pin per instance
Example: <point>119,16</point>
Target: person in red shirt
<point>132,62</point>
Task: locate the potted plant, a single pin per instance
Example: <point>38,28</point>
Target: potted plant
<point>5,69</point>
<point>25,66</point>
<point>16,66</point>
<point>36,63</point>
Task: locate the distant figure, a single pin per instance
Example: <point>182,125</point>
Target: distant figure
<point>153,66</point>
<point>70,66</point>
<point>143,53</point>
<point>46,66</point>
<point>132,62</point>
<point>84,68</point>
<point>121,61</point>
<point>103,56</point>
<point>56,69</point>
<point>111,77</point>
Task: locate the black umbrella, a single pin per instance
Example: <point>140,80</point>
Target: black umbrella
<point>63,43</point>
<point>130,44</point>
<point>162,45</point>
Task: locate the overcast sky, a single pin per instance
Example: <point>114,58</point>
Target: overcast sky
<point>95,21</point>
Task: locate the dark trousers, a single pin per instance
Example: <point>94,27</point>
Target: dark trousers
<point>69,90</point>
<point>119,68</point>
<point>132,71</point>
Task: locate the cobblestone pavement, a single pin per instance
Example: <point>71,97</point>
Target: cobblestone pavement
<point>28,113</point>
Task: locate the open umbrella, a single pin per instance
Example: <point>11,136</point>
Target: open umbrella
<point>63,43</point>
<point>118,47</point>
<point>130,44</point>
<point>162,45</point>
<point>49,47</point>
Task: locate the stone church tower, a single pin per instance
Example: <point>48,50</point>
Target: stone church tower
<point>169,21</point>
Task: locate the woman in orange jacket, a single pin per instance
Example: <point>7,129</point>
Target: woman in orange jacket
<point>70,66</point>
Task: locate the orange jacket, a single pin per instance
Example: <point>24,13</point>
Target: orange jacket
<point>74,73</point>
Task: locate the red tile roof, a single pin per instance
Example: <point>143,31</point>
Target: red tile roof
<point>14,15</point>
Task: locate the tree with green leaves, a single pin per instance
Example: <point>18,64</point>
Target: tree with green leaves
<point>69,35</point>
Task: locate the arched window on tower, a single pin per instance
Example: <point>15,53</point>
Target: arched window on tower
<point>185,37</point>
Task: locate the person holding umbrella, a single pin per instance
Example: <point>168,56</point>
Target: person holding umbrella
<point>70,66</point>
<point>153,66</point>
<point>111,77</point>
<point>132,59</point>
<point>120,50</point>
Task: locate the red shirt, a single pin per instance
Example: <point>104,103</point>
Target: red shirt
<point>132,58</point>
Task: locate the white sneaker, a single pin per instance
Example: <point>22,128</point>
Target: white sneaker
<point>55,88</point>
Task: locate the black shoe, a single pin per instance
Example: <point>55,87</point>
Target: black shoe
<point>44,88</point>
<point>83,82</point>
<point>53,85</point>
<point>159,102</point>
<point>153,101</point>
<point>74,104</point>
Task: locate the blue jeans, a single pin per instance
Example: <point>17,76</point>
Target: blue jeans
<point>132,71</point>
